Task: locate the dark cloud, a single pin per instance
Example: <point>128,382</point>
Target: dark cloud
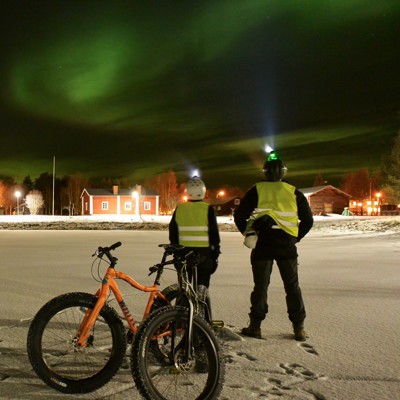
<point>127,89</point>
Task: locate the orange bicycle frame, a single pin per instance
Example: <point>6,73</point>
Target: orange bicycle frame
<point>109,283</point>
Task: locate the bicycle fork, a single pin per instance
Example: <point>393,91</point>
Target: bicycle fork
<point>189,341</point>
<point>83,334</point>
<point>85,327</point>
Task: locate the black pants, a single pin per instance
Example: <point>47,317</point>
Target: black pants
<point>262,269</point>
<point>204,269</point>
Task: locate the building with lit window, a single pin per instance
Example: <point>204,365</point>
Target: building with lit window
<point>117,201</point>
<point>326,199</point>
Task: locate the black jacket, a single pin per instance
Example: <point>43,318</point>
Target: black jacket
<point>213,233</point>
<point>274,242</point>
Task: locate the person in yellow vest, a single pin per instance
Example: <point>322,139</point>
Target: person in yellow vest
<point>194,225</point>
<point>274,216</point>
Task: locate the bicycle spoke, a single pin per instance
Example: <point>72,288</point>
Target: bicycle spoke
<point>53,348</point>
<point>176,376</point>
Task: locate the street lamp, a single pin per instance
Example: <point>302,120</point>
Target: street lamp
<point>220,194</point>
<point>17,195</point>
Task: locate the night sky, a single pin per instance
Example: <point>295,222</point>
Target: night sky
<point>130,89</point>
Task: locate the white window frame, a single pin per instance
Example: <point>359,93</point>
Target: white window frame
<point>147,205</point>
<point>104,205</point>
<point>128,206</point>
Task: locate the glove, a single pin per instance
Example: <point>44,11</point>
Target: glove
<point>214,265</point>
<point>263,224</point>
<point>215,252</point>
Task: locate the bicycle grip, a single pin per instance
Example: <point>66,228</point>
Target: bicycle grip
<point>115,245</point>
<point>153,269</point>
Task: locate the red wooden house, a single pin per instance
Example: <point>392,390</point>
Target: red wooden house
<point>326,199</point>
<point>120,201</point>
<point>226,206</point>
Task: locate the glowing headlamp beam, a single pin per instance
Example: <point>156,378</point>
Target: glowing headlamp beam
<point>195,173</point>
<point>268,148</point>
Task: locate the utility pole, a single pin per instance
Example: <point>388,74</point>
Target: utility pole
<point>54,178</point>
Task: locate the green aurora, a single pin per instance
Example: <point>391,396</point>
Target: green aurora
<point>132,89</point>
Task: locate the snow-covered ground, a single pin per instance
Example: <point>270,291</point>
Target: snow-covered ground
<point>330,224</point>
<point>349,275</point>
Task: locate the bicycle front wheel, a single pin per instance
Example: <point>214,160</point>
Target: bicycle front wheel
<point>175,376</point>
<point>52,349</point>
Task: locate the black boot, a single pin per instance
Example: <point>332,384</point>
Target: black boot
<point>299,332</point>
<point>253,330</point>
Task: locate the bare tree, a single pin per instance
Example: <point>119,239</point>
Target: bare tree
<point>34,201</point>
<point>224,192</point>
<point>166,186</point>
<point>319,180</point>
<point>391,172</point>
<point>4,197</point>
<point>71,193</point>
<point>7,194</point>
<point>44,183</point>
<point>360,184</point>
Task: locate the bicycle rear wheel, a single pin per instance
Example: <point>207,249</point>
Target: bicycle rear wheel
<point>175,377</point>
<point>53,353</point>
<point>171,293</point>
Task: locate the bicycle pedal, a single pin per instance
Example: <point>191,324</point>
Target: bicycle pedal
<point>217,324</point>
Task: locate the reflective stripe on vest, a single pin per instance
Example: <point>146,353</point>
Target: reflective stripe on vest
<point>192,221</point>
<point>278,200</point>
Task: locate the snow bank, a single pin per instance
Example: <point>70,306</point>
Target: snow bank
<point>331,224</point>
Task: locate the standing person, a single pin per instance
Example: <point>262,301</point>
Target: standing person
<point>194,225</point>
<point>279,215</point>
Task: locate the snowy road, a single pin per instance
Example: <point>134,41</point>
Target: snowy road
<point>351,288</point>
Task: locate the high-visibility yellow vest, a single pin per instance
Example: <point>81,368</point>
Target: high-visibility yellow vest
<point>192,221</point>
<point>278,200</point>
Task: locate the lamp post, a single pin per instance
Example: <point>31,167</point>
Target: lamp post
<point>17,195</point>
<point>218,203</point>
<point>369,207</point>
<point>378,197</point>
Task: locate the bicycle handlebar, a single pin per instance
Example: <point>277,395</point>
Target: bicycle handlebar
<point>177,250</point>
<point>115,245</point>
<point>101,251</point>
<point>160,266</point>
<point>179,253</point>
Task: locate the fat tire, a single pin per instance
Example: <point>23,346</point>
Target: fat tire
<point>115,353</point>
<point>142,349</point>
<point>171,293</point>
<point>208,310</point>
